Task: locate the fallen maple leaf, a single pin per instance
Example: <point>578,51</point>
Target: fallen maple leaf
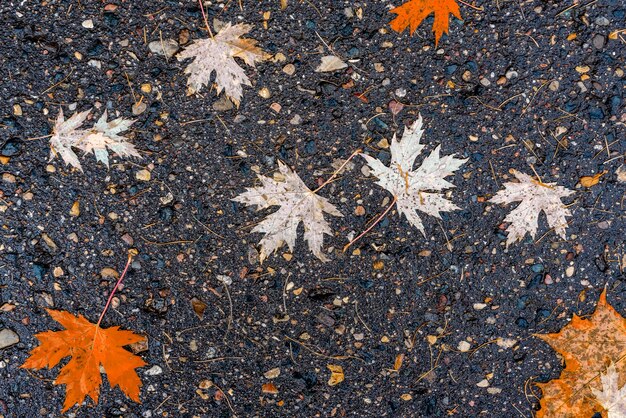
<point>65,135</point>
<point>535,197</point>
<point>587,347</point>
<point>90,348</point>
<point>218,54</point>
<point>611,397</point>
<point>106,135</point>
<point>103,135</point>
<point>297,204</point>
<point>413,12</point>
<point>411,186</point>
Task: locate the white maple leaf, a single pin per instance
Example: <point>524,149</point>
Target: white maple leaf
<point>297,203</point>
<point>106,135</point>
<point>534,197</point>
<point>416,189</point>
<point>218,54</point>
<point>612,399</point>
<point>67,135</point>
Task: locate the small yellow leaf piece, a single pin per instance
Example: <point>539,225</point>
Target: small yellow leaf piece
<point>590,181</point>
<point>587,346</point>
<point>269,388</point>
<point>75,210</point>
<point>413,12</point>
<point>336,374</point>
<point>398,363</point>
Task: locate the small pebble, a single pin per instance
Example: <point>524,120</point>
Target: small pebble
<point>569,272</point>
<point>87,24</point>
<point>289,69</point>
<point>167,47</point>
<point>464,347</point>
<point>109,272</point>
<point>154,371</point>
<point>602,21</point>
<point>296,120</point>
<point>265,93</point>
<point>272,373</point>
<point>8,338</point>
<point>143,175</point>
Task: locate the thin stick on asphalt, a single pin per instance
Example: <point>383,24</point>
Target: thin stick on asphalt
<point>206,22</point>
<point>382,215</point>
<point>338,170</point>
<point>131,254</point>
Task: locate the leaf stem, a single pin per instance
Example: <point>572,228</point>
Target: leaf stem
<point>206,22</point>
<point>380,217</point>
<point>354,154</point>
<point>131,253</point>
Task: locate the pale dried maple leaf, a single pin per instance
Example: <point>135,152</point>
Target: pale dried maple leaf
<point>416,189</point>
<point>535,197</point>
<point>102,135</point>
<point>66,135</point>
<point>297,203</point>
<point>106,135</point>
<point>413,12</point>
<point>587,345</point>
<point>90,348</point>
<point>218,54</point>
<point>611,397</point>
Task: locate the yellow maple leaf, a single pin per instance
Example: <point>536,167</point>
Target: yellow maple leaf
<point>413,12</point>
<point>588,347</point>
<point>89,347</point>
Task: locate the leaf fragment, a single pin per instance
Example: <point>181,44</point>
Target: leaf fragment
<point>330,63</point>
<point>590,181</point>
<point>413,12</point>
<point>336,374</point>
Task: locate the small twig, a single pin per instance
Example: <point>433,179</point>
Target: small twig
<point>131,254</point>
<point>480,9</point>
<point>230,307</point>
<point>217,359</point>
<point>38,137</point>
<point>230,406</point>
<point>206,22</point>
<point>310,350</point>
<point>132,92</point>
<point>356,310</point>
<point>382,215</point>
<point>337,171</point>
<point>167,243</point>
<point>56,84</point>
<point>207,228</point>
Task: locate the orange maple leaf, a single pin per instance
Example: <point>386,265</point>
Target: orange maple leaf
<point>89,347</point>
<point>588,347</point>
<point>413,12</point>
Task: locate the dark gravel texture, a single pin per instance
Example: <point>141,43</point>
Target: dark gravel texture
<point>499,90</point>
